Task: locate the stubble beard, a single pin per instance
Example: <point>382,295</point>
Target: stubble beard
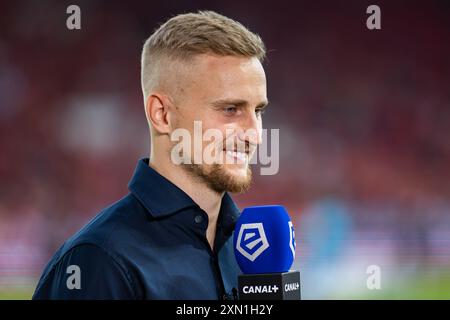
<point>218,178</point>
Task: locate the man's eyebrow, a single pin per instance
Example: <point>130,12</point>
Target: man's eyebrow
<point>237,103</point>
<point>233,102</point>
<point>262,105</point>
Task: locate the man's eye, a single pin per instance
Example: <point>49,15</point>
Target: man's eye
<point>230,110</point>
<point>259,112</point>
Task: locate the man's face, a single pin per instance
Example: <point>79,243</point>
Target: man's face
<point>226,94</point>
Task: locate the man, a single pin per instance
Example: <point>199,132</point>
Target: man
<point>170,238</point>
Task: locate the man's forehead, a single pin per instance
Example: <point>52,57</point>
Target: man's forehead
<point>217,74</point>
<point>208,77</point>
<point>232,64</point>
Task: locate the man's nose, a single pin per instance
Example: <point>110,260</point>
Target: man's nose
<point>251,130</point>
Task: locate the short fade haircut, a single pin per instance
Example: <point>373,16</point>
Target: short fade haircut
<point>186,35</point>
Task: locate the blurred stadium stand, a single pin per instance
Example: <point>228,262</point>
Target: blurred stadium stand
<point>364,119</point>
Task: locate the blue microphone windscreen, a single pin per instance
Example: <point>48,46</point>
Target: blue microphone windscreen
<point>264,240</point>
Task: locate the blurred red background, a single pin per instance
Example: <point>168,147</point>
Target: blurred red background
<point>364,119</point>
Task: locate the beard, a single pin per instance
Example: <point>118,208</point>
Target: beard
<point>215,175</point>
<point>219,179</point>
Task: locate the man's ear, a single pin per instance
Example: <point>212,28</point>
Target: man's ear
<point>157,111</point>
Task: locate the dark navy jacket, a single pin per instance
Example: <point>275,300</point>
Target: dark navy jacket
<point>149,245</point>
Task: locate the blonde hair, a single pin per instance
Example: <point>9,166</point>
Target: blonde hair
<point>186,35</point>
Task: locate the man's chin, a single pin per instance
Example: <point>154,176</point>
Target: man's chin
<point>240,175</point>
<point>224,178</point>
<point>233,180</point>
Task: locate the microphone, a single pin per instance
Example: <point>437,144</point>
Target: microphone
<point>264,246</point>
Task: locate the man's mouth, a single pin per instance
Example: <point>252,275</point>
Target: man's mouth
<point>241,157</point>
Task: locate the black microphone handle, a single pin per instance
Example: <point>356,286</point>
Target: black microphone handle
<point>270,286</point>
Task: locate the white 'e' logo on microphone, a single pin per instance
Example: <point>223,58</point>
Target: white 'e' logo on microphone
<point>252,240</point>
<point>292,238</point>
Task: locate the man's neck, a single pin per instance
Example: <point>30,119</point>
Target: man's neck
<point>206,198</point>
